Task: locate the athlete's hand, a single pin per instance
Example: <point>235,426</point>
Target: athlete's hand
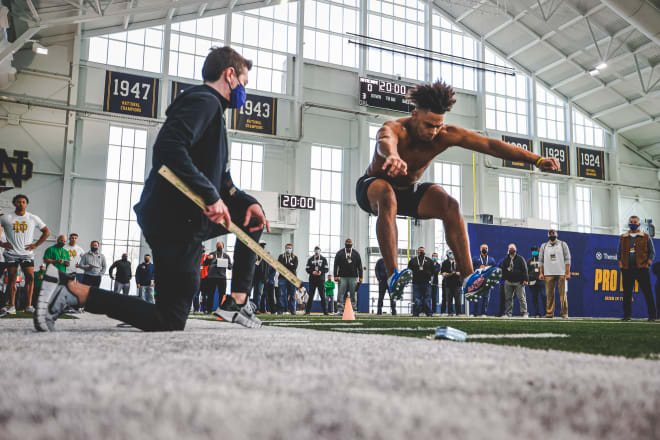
<point>218,212</point>
<point>549,164</point>
<point>7,245</point>
<point>30,247</point>
<point>395,166</point>
<point>255,211</point>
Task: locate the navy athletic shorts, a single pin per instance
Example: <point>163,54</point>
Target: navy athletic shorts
<point>407,199</point>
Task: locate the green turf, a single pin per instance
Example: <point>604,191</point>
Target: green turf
<point>23,315</point>
<point>635,339</point>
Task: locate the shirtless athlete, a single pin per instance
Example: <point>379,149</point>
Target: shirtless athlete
<point>405,148</point>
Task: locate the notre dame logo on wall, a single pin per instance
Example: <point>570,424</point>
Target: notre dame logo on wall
<point>16,168</point>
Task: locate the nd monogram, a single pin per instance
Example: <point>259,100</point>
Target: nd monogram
<point>20,227</point>
<point>17,168</point>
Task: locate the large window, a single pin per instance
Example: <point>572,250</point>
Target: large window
<point>448,176</point>
<point>550,115</point>
<point>450,40</point>
<point>583,198</point>
<point>140,49</point>
<point>506,98</point>
<point>125,179</point>
<point>326,25</point>
<point>586,131</point>
<point>549,203</point>
<point>190,42</point>
<point>325,185</point>
<point>247,164</point>
<point>266,36</point>
<point>510,197</point>
<point>401,22</point>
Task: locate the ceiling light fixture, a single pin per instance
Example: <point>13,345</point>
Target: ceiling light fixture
<point>602,65</point>
<point>594,72</point>
<point>39,49</point>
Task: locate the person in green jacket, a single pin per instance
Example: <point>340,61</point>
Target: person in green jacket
<point>57,255</point>
<point>330,294</point>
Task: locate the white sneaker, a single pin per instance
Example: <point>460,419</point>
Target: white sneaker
<point>525,315</point>
<point>54,299</point>
<point>12,310</point>
<point>484,316</point>
<point>29,309</point>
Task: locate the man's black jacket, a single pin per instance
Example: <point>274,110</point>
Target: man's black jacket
<point>516,272</point>
<point>124,272</point>
<point>193,144</point>
<point>424,275</point>
<point>317,264</point>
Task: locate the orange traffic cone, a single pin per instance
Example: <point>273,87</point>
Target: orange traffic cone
<point>348,311</point>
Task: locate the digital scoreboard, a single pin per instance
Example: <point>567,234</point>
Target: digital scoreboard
<point>297,202</point>
<point>390,95</point>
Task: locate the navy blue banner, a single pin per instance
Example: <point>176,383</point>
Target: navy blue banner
<point>131,94</point>
<point>595,288</point>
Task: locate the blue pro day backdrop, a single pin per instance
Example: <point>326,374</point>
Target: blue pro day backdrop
<point>595,288</point>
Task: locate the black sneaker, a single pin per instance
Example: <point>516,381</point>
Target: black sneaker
<point>54,299</point>
<point>242,314</point>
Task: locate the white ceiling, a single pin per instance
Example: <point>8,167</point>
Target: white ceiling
<point>550,39</point>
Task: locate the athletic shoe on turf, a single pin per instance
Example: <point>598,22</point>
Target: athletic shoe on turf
<point>11,310</point>
<point>525,315</point>
<point>397,282</point>
<point>54,299</point>
<point>480,282</point>
<point>29,309</point>
<point>242,314</point>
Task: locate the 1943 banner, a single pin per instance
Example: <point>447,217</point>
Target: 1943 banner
<point>131,94</point>
<point>258,115</point>
<point>521,143</point>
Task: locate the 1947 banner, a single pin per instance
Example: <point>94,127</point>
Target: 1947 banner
<point>591,163</point>
<point>560,152</point>
<point>521,143</point>
<point>258,115</point>
<point>131,94</point>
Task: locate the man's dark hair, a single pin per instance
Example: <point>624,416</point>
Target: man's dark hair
<point>147,255</point>
<point>288,244</point>
<point>20,196</point>
<point>632,217</point>
<point>221,58</point>
<point>437,97</point>
<point>72,234</point>
<point>94,241</point>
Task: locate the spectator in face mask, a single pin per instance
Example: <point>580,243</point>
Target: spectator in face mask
<point>536,286</point>
<point>635,254</point>
<point>287,291</point>
<point>422,269</point>
<point>218,262</point>
<point>514,273</point>
<point>555,269</point>
<point>451,285</point>
<point>481,262</point>
<point>317,267</point>
<point>123,276</point>
<point>435,282</point>
<point>94,265</point>
<point>144,279</point>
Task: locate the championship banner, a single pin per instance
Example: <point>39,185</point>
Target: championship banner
<point>177,88</point>
<point>520,143</point>
<point>258,115</point>
<point>130,94</point>
<point>595,288</point>
<point>560,152</point>
<point>591,163</point>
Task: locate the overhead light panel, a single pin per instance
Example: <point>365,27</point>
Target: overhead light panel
<point>594,72</point>
<point>602,65</point>
<point>39,49</point>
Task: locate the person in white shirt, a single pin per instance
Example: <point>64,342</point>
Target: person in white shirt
<point>19,227</point>
<point>555,266</point>
<point>75,254</point>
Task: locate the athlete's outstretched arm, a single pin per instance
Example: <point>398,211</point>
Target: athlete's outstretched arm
<point>387,148</point>
<point>494,147</point>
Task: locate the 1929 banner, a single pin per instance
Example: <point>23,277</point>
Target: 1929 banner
<point>258,115</point>
<point>591,163</point>
<point>521,143</point>
<point>131,94</point>
<point>559,152</point>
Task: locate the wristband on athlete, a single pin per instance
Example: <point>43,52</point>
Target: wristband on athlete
<point>538,161</point>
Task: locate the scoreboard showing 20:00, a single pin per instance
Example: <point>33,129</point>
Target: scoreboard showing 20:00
<point>389,95</point>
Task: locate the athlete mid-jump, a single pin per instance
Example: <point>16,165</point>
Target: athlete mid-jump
<point>404,149</point>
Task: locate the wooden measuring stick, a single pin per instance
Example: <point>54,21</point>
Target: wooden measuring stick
<point>240,234</point>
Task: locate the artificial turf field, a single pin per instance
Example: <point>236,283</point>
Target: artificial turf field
<point>635,339</point>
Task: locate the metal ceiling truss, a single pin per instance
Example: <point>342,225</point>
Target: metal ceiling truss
<point>646,88</point>
<point>552,9</point>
